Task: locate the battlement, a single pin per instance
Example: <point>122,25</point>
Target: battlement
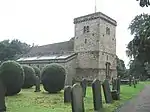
<point>95,16</point>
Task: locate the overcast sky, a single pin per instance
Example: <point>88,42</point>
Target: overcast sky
<point>49,21</point>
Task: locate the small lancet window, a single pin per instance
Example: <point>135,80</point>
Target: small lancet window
<point>107,31</point>
<point>86,29</point>
<point>85,41</point>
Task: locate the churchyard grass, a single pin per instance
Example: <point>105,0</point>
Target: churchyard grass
<point>29,101</point>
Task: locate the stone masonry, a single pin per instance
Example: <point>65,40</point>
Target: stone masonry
<point>84,55</point>
<point>95,46</point>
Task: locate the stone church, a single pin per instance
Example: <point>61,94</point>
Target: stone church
<point>86,55</point>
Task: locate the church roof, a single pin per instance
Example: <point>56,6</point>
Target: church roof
<point>48,57</point>
<point>50,49</point>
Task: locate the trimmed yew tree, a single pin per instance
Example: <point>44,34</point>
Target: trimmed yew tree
<point>29,76</point>
<point>12,75</point>
<point>37,71</point>
<point>53,78</point>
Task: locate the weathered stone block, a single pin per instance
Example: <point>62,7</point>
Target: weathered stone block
<point>114,84</point>
<point>130,80</point>
<point>37,84</point>
<point>134,84</point>
<point>124,82</point>
<point>118,84</point>
<point>97,96</point>
<point>77,102</point>
<point>84,85</point>
<point>107,92</point>
<point>2,97</point>
<point>67,94</point>
<point>115,95</point>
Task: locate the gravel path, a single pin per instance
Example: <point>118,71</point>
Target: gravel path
<point>139,104</point>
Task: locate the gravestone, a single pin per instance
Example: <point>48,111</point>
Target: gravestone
<point>77,102</point>
<point>134,84</point>
<point>115,95</point>
<point>124,81</point>
<point>2,97</point>
<point>97,96</point>
<point>114,84</point>
<point>73,81</point>
<point>130,80</point>
<point>136,81</point>
<point>118,84</point>
<point>107,92</point>
<point>84,85</point>
<point>67,94</point>
<point>37,84</point>
<point>112,80</point>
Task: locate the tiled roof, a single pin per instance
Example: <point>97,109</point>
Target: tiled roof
<point>50,49</point>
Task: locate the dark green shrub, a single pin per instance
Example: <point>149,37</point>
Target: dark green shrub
<point>12,76</point>
<point>29,76</point>
<point>37,71</point>
<point>53,78</point>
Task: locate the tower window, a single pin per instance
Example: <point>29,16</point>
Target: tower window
<point>85,41</point>
<point>107,31</point>
<point>107,57</point>
<point>86,29</point>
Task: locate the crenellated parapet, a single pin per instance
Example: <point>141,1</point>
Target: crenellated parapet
<point>95,16</point>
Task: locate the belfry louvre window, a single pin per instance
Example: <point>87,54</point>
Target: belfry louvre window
<point>107,31</point>
<point>86,29</point>
<point>85,41</point>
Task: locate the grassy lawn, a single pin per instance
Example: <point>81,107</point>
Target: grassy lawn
<point>29,101</point>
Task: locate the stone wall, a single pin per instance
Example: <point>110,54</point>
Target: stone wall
<point>95,47</point>
<point>107,42</point>
<point>89,74</point>
<point>69,66</point>
<point>70,71</point>
<point>107,46</point>
<point>87,60</point>
<point>90,37</point>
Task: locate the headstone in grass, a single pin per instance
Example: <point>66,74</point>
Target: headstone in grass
<point>2,97</point>
<point>107,92</point>
<point>77,102</point>
<point>130,80</point>
<point>134,84</point>
<point>118,84</point>
<point>114,84</point>
<point>37,84</point>
<point>112,80</point>
<point>97,96</point>
<point>115,95</point>
<point>84,85</point>
<point>67,94</point>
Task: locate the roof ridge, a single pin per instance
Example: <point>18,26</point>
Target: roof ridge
<point>53,43</point>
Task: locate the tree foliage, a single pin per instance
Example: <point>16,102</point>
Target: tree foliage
<point>12,74</point>
<point>144,3</point>
<point>37,71</point>
<point>138,49</point>
<point>29,76</point>
<point>11,49</point>
<point>121,69</point>
<point>53,78</point>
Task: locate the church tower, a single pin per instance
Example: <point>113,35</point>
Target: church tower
<point>95,45</point>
